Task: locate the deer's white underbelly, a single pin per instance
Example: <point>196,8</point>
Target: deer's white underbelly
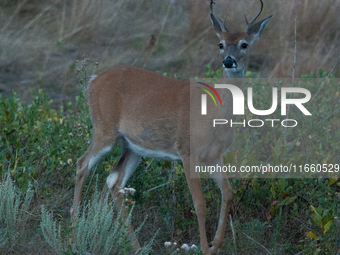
<point>151,153</point>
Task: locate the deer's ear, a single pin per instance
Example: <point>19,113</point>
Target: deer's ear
<point>254,31</point>
<point>217,24</point>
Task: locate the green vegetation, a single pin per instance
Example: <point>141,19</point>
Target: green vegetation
<point>12,212</point>
<point>41,139</point>
<point>98,230</point>
<point>40,145</point>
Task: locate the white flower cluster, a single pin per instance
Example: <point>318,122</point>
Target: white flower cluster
<point>168,244</point>
<point>129,191</point>
<point>185,247</point>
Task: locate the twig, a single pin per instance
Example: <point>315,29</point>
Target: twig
<point>233,230</point>
<point>293,76</point>
<point>257,243</point>
<point>305,250</point>
<point>157,187</point>
<point>31,22</point>
<point>31,214</point>
<point>61,32</point>
<point>337,234</point>
<point>11,247</point>
<point>160,32</point>
<point>147,168</point>
<point>193,41</point>
<point>74,31</point>
<point>94,171</point>
<point>14,14</point>
<point>173,197</point>
<point>302,223</point>
<point>149,165</point>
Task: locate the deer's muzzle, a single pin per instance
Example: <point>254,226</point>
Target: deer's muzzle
<point>229,62</point>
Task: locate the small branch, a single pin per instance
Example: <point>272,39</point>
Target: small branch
<point>187,46</point>
<point>157,187</point>
<point>31,22</point>
<point>337,234</point>
<point>74,31</point>
<point>11,248</point>
<point>233,230</point>
<point>61,32</point>
<point>149,165</point>
<point>32,214</point>
<point>160,33</point>
<point>293,76</point>
<point>14,14</point>
<point>256,243</point>
<point>302,223</point>
<point>94,171</point>
<point>147,168</point>
<point>305,250</point>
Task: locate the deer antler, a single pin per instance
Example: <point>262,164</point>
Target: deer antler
<point>257,15</point>
<point>222,24</point>
<point>211,6</point>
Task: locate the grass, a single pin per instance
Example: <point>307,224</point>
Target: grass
<point>41,41</point>
<point>41,139</point>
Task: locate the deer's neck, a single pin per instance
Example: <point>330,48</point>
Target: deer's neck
<point>235,75</point>
<point>235,78</point>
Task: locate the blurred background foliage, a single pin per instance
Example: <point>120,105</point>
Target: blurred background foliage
<point>40,40</point>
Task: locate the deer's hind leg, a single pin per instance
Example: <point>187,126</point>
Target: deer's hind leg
<point>100,146</point>
<point>117,180</point>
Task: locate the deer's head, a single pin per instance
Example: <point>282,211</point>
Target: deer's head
<point>234,46</point>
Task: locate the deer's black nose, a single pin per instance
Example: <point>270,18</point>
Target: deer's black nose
<point>229,62</point>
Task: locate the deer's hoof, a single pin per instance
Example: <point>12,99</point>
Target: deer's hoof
<point>213,250</point>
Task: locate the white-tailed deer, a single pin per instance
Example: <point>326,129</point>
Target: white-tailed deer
<point>150,115</point>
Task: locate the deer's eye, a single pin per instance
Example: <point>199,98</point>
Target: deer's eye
<point>244,45</point>
<point>220,45</point>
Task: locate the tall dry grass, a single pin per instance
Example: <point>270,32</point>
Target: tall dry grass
<point>40,40</point>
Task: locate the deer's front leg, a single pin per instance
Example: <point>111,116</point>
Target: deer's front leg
<point>223,183</point>
<point>195,188</point>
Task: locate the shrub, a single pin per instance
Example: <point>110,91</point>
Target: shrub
<point>12,210</point>
<point>97,229</point>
